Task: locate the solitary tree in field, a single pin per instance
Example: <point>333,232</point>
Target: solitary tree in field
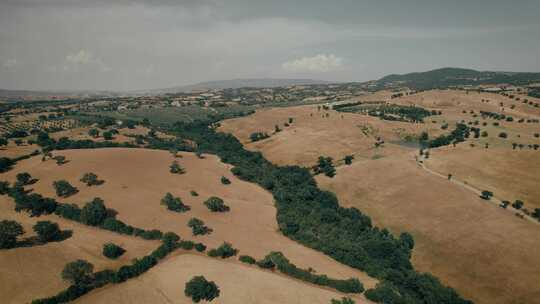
<point>47,231</point>
<point>113,251</point>
<point>175,168</point>
<point>24,178</point>
<point>64,188</point>
<point>216,204</point>
<point>78,272</point>
<point>348,159</point>
<point>198,288</point>
<point>91,179</point>
<point>9,231</point>
<point>486,195</point>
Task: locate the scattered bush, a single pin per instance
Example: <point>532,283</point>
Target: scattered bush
<point>216,204</point>
<point>225,180</point>
<point>64,188</point>
<point>90,179</point>
<point>174,203</point>
<point>193,193</point>
<point>175,168</point>
<point>113,251</point>
<point>486,195</point>
<point>197,227</point>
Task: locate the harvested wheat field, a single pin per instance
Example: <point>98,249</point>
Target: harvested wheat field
<point>312,134</point>
<point>238,284</point>
<point>486,253</point>
<point>510,174</point>
<point>39,267</point>
<point>137,179</point>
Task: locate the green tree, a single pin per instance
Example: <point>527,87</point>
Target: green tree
<point>348,159</point>
<point>91,179</point>
<point>3,141</point>
<point>93,132</point>
<point>225,180</point>
<point>175,168</point>
<point>78,272</point>
<point>9,231</point>
<point>216,204</point>
<point>197,227</point>
<point>24,178</point>
<point>486,195</point>
<point>198,288</point>
<point>174,203</point>
<point>64,188</point>
<point>108,135</point>
<point>47,231</point>
<point>94,212</point>
<point>518,204</point>
<point>224,251</point>
<point>113,251</point>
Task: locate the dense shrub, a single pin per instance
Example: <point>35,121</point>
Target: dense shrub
<point>174,203</point>
<point>78,272</point>
<point>198,288</point>
<point>91,179</point>
<point>9,232</point>
<point>247,259</point>
<point>64,189</point>
<point>225,180</point>
<point>325,165</point>
<point>113,251</point>
<point>47,231</point>
<point>216,204</point>
<point>94,212</point>
<point>286,267</point>
<point>197,227</point>
<point>224,251</point>
<point>175,168</point>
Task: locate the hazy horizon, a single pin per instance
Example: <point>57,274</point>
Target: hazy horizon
<point>123,45</point>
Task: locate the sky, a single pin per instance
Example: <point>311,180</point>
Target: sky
<point>143,44</point>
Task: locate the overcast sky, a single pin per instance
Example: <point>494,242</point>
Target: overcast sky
<point>141,44</point>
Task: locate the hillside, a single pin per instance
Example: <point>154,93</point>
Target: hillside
<point>446,77</point>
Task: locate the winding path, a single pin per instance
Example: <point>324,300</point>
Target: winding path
<point>420,161</point>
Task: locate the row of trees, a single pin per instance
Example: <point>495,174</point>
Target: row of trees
<point>314,218</point>
<point>46,231</point>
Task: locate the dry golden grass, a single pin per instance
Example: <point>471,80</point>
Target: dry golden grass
<point>509,174</point>
<point>485,252</point>
<point>312,135</point>
<point>137,179</point>
<point>28,273</point>
<point>238,283</point>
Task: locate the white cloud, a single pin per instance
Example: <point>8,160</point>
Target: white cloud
<point>84,58</point>
<point>9,63</point>
<point>318,63</point>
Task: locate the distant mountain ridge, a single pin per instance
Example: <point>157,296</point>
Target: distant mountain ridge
<point>446,77</point>
<point>242,83</point>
